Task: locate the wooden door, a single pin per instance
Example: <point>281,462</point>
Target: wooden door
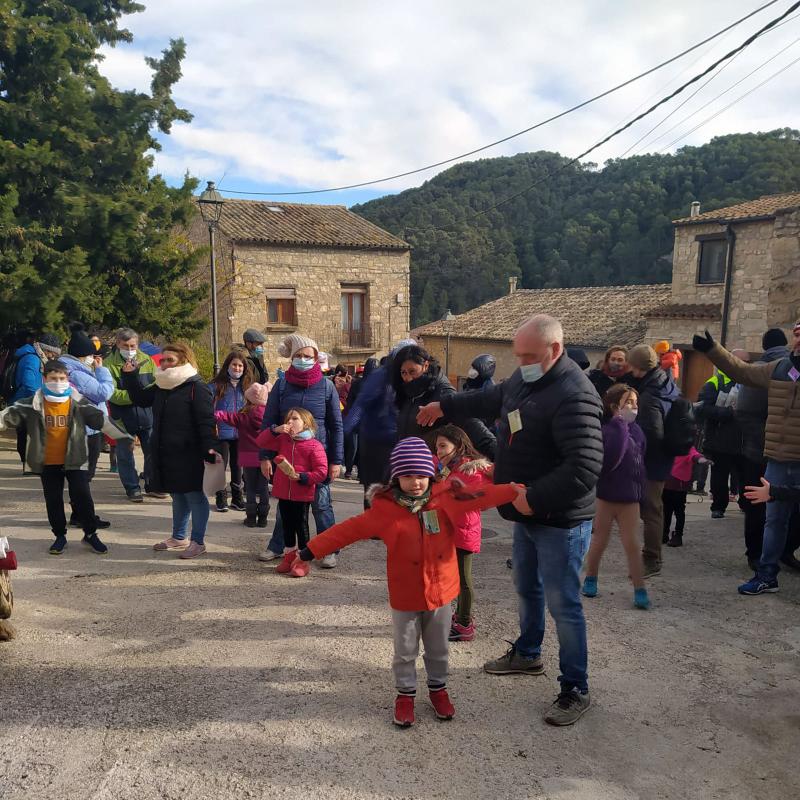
<point>697,369</point>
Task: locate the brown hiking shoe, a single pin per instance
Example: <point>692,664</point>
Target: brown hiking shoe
<point>514,664</point>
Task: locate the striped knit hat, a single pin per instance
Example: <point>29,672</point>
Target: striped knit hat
<point>411,456</point>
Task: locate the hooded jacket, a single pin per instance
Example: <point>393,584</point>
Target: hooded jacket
<point>623,477</point>
<point>558,451</point>
<point>28,372</point>
<point>120,407</point>
<point>307,456</point>
<point>94,383</point>
<point>421,567</point>
<point>485,366</point>
<point>657,392</point>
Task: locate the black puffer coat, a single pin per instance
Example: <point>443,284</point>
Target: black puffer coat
<point>434,388</point>
<point>184,430</point>
<point>722,433</point>
<point>558,453</point>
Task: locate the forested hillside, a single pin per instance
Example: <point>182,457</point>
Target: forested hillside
<point>584,226</point>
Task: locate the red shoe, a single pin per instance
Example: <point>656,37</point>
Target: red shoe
<point>300,569</point>
<point>404,711</point>
<point>442,705</point>
<point>286,564</point>
<point>461,633</point>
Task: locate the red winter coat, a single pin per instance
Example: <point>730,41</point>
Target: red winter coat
<point>308,458</point>
<point>468,529</point>
<point>421,567</point>
<point>248,425</point>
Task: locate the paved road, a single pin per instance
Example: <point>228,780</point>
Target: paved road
<point>136,675</point>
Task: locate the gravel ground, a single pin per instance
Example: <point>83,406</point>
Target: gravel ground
<point>136,675</point>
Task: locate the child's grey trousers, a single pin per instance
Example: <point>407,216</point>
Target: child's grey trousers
<point>434,628</point>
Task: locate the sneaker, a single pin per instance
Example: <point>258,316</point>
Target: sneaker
<point>755,585</point>
<point>461,633</point>
<point>404,710</point>
<point>717,515</point>
<point>249,521</point>
<point>329,561</point>
<point>300,569</point>
<point>156,495</point>
<point>261,521</point>
<point>651,568</point>
<point>675,541</point>
<point>286,565</point>
<point>57,548</point>
<point>268,555</point>
<point>135,496</point>
<point>568,708</point>
<point>640,599</point>
<point>513,664</point>
<point>589,586</point>
<point>441,704</point>
<point>220,508</point>
<point>94,542</point>
<point>237,505</point>
<point>193,550</point>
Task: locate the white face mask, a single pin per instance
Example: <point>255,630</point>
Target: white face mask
<point>88,360</point>
<point>57,388</point>
<point>128,355</point>
<point>628,414</point>
<point>472,373</point>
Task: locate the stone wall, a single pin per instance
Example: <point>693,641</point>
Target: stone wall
<point>784,290</point>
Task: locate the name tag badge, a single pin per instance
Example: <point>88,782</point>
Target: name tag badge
<point>431,521</point>
<point>794,374</point>
<point>515,421</point>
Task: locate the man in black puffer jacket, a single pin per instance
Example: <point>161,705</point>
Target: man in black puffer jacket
<point>549,439</point>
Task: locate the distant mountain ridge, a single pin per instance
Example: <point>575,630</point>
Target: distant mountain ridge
<point>583,226</point>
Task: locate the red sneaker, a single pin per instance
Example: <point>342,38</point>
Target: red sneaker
<point>286,564</point>
<point>442,705</point>
<point>404,711</point>
<point>300,569</point>
<point>461,633</point>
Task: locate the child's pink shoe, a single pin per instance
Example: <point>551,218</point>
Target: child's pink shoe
<point>299,569</point>
<point>461,633</point>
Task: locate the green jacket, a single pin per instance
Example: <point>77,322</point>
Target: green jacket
<point>120,407</point>
<point>30,410</point>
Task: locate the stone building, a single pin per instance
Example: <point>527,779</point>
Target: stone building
<point>316,269</point>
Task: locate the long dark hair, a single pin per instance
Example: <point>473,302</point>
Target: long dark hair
<point>463,444</point>
<point>221,380</point>
<point>417,354</point>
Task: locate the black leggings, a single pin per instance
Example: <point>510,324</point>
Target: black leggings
<point>230,453</point>
<point>674,503</point>
<point>295,523</point>
<point>79,494</point>
<point>22,441</point>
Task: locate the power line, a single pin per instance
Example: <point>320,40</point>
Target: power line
<point>513,135</point>
<point>746,43</point>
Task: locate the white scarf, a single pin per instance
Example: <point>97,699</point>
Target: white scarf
<point>172,377</point>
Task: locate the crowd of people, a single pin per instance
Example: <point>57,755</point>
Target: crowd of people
<point>564,451</point>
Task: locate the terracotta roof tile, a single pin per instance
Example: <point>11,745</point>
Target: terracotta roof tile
<point>687,311</point>
<point>765,207</point>
<point>301,223</point>
<point>596,316</point>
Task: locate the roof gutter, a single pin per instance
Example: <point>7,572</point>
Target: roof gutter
<point>730,236</point>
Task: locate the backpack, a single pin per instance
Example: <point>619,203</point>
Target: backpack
<point>8,386</point>
<point>680,428</point>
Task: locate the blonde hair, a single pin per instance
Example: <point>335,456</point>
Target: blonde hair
<point>182,350</point>
<point>307,417</point>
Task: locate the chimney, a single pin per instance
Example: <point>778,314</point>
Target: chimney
<point>695,209</point>
<point>512,284</point>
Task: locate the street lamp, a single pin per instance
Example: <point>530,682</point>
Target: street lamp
<point>211,202</point>
<point>448,319</point>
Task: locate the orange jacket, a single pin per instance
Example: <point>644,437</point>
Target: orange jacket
<point>670,363</point>
<point>421,567</point>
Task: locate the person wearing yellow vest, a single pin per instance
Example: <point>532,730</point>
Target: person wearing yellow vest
<point>57,417</point>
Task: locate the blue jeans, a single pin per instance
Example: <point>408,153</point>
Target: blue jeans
<point>547,563</point>
<point>126,460</point>
<point>194,505</point>
<point>322,510</point>
<point>779,512</point>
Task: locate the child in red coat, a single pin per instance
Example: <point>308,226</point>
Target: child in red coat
<point>457,457</point>
<point>417,521</point>
<point>301,464</point>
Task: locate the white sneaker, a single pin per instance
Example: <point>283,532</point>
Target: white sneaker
<point>329,562</point>
<point>268,555</point>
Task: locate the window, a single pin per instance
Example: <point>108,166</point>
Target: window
<point>354,315</point>
<point>281,308</point>
<point>713,254</point>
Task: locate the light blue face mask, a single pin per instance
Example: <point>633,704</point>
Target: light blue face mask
<point>259,351</point>
<point>303,435</point>
<point>531,372</point>
<point>303,364</point>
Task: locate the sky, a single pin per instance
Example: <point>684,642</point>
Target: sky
<point>307,95</point>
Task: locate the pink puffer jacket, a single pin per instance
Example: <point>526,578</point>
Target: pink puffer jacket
<point>468,527</point>
<point>306,456</point>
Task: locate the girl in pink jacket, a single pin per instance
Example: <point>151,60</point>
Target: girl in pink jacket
<point>674,494</point>
<point>301,464</point>
<point>458,457</point>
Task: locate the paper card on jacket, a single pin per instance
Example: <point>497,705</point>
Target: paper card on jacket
<point>794,374</point>
<point>515,421</point>
<point>214,476</point>
<point>431,521</point>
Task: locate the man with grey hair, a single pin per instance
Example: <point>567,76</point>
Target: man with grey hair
<point>137,421</point>
<point>549,439</point>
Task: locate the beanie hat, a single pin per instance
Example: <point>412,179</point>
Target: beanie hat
<point>252,335</point>
<point>55,364</point>
<point>49,341</point>
<point>411,456</point>
<point>294,342</point>
<point>257,393</point>
<point>643,357</point>
<point>774,337</point>
<point>662,347</point>
<point>80,345</point>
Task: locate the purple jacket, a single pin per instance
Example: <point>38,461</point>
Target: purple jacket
<point>623,476</point>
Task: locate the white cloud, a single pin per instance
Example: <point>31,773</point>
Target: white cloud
<point>318,94</point>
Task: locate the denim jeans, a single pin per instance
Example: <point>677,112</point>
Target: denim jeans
<point>184,506</point>
<point>126,460</point>
<point>779,512</point>
<point>547,563</point>
<point>322,510</point>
